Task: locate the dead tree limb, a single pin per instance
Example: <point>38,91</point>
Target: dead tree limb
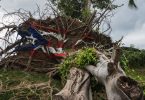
<point>10,47</point>
<point>77,86</point>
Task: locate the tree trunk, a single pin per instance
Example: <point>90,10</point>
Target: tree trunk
<point>118,86</point>
<point>77,86</point>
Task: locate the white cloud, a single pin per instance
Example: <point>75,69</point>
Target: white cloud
<point>136,37</point>
<point>131,24</point>
<point>30,5</point>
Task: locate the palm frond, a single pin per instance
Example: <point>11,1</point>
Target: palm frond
<point>132,4</point>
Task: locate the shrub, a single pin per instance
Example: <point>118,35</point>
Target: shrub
<point>135,57</point>
<point>84,57</point>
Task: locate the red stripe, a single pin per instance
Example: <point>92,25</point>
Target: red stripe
<point>32,52</point>
<point>60,44</point>
<point>47,29</point>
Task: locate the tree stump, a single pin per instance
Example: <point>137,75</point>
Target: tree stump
<point>77,86</point>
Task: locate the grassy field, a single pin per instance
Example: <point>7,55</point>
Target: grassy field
<point>138,75</point>
<point>20,85</point>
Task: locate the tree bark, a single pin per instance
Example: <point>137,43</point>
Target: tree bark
<point>118,86</point>
<point>77,86</point>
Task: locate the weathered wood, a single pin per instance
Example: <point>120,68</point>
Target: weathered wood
<point>118,86</point>
<point>77,86</point>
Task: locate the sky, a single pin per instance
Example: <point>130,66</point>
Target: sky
<point>129,23</point>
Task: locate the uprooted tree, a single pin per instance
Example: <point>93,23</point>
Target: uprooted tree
<point>42,44</point>
<point>51,36</point>
<point>106,71</point>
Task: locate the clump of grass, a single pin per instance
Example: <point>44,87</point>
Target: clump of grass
<point>84,57</point>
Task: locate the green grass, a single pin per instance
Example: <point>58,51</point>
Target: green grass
<point>11,80</point>
<point>137,75</point>
<point>13,75</point>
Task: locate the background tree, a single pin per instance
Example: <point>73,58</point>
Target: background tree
<point>81,9</point>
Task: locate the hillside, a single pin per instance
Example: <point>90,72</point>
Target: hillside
<point>21,85</point>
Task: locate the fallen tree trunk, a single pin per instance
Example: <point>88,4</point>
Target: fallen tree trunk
<point>77,86</point>
<point>117,85</point>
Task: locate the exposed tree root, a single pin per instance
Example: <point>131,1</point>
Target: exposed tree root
<point>77,86</point>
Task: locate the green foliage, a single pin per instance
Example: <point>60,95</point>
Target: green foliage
<point>84,57</point>
<point>133,73</point>
<point>85,14</point>
<point>69,7</point>
<point>66,66</point>
<point>80,8</point>
<point>135,57</point>
<point>6,95</point>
